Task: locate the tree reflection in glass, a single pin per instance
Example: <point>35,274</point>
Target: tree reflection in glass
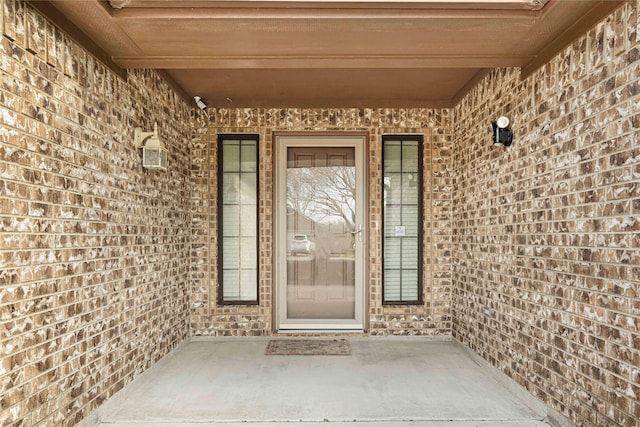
<point>321,219</point>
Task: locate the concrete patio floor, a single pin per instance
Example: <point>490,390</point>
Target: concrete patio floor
<point>385,382</point>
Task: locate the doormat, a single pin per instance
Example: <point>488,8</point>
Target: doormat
<point>308,348</point>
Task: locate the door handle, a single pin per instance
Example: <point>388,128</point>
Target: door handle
<point>358,231</point>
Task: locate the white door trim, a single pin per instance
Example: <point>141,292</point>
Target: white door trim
<point>281,143</point>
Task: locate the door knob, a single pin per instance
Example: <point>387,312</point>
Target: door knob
<point>358,231</point>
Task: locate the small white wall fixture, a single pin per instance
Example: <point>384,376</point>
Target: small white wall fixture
<point>154,153</point>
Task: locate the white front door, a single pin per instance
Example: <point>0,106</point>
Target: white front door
<point>319,207</point>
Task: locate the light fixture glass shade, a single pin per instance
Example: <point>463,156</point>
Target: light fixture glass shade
<point>503,122</point>
<point>154,157</point>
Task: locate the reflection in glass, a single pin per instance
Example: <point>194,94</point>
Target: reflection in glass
<point>321,184</point>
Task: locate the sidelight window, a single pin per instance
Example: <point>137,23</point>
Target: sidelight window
<point>402,216</point>
<point>238,219</point>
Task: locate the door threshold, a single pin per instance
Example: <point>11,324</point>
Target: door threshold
<point>321,332</point>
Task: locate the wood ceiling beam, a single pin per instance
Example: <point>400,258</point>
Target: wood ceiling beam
<point>330,4</point>
<point>599,11</point>
<point>310,62</point>
<point>321,13</point>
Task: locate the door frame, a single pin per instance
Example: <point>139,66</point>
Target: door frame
<point>282,140</point>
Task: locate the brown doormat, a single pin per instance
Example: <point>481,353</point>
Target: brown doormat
<point>292,347</point>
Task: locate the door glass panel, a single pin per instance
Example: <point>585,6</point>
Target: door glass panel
<point>320,226</point>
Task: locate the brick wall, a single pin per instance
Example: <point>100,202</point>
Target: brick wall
<point>94,249</point>
<point>547,231</point>
<point>431,318</point>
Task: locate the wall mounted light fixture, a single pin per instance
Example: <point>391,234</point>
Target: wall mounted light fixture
<point>502,133</point>
<point>154,154</point>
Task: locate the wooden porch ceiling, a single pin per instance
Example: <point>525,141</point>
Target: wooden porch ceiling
<point>335,53</point>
